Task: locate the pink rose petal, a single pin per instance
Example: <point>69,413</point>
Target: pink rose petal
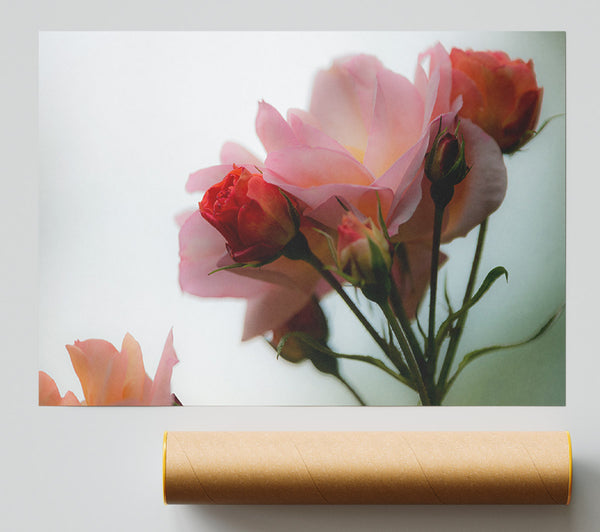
<point>271,309</point>
<point>312,136</point>
<point>233,153</point>
<point>204,179</point>
<point>272,129</point>
<point>336,105</point>
<point>440,69</point>
<point>201,247</point>
<point>397,121</point>
<point>484,188</point>
<point>308,167</point>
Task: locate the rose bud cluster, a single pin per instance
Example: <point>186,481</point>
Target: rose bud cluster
<point>500,95</point>
<point>364,255</point>
<point>445,166</point>
<point>255,218</point>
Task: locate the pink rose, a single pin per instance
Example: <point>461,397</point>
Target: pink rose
<point>362,141</point>
<point>500,95</point>
<point>112,377</point>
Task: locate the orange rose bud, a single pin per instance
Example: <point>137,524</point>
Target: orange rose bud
<point>500,95</point>
<point>254,216</point>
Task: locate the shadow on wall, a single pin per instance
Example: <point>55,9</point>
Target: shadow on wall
<point>384,518</point>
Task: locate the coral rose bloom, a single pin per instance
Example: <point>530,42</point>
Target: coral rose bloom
<point>112,377</point>
<point>251,214</point>
<point>499,95</point>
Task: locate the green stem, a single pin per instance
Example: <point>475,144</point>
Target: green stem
<point>380,365</point>
<point>410,358</point>
<point>351,390</point>
<point>398,308</point>
<point>435,259</point>
<point>333,282</point>
<point>298,249</point>
<point>458,329</point>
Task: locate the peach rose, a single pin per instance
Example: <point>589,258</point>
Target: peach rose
<point>112,377</point>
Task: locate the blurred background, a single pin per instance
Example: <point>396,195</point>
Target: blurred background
<point>125,117</point>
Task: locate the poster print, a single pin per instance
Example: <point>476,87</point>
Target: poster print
<point>320,218</point>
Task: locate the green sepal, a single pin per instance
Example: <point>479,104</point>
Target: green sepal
<point>399,251</point>
<point>342,204</point>
<point>447,297</point>
<point>294,214</point>
<point>317,353</point>
<point>352,280</point>
<point>330,244</point>
<point>473,355</point>
<point>317,346</point>
<point>239,265</point>
<point>380,218</point>
<point>489,280</point>
<point>529,135</point>
<point>297,248</point>
<point>378,291</point>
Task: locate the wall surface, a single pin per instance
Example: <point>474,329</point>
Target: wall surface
<point>100,468</point>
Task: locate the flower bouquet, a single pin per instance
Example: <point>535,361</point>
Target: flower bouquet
<point>359,192</point>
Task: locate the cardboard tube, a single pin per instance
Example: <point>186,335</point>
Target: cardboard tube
<point>367,467</point>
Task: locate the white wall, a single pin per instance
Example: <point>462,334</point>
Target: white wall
<point>99,469</point>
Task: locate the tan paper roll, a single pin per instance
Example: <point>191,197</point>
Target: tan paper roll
<point>367,467</point>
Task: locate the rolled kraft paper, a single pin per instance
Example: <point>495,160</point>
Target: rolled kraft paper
<point>367,467</point>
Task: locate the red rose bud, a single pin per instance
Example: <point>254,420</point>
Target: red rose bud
<point>363,251</point>
<point>445,166</point>
<point>254,216</point>
<point>309,320</point>
<point>499,95</point>
<point>446,159</point>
